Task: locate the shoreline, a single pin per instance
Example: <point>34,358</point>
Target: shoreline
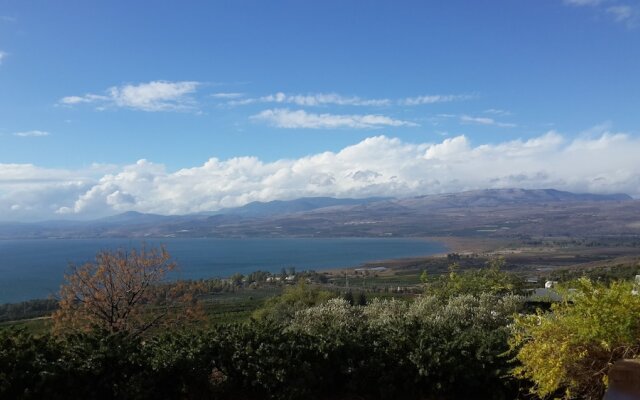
<point>350,260</point>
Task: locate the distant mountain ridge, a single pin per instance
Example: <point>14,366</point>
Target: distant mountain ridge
<point>375,216</point>
<point>502,197</point>
<point>279,207</point>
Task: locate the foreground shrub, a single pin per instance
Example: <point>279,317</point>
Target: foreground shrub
<point>429,348</point>
<point>568,352</point>
<point>92,366</point>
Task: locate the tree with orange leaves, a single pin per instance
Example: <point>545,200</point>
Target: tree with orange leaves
<point>122,291</point>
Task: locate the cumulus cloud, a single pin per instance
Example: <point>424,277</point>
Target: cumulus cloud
<point>377,166</point>
<point>150,96</point>
<point>466,119</point>
<point>33,133</point>
<point>29,192</point>
<point>285,118</point>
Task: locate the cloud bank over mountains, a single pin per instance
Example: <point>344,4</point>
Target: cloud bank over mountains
<point>376,166</point>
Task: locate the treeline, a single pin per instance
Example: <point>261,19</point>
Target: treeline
<point>27,309</point>
<point>608,273</point>
<point>595,241</point>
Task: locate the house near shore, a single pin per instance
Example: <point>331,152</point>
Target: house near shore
<point>365,270</point>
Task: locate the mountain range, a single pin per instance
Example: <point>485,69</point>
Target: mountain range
<point>493,212</point>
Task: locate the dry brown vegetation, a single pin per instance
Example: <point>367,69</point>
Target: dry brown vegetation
<point>122,291</point>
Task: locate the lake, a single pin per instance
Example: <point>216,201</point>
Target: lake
<point>34,268</point>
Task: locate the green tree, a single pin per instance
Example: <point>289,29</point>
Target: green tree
<point>348,297</point>
<point>491,279</point>
<point>236,279</point>
<point>424,277</point>
<point>362,299</point>
<point>294,298</point>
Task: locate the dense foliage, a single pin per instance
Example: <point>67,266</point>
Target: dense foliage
<point>293,299</point>
<point>428,348</point>
<point>491,279</point>
<point>467,336</point>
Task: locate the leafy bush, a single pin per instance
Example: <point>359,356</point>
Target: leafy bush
<point>294,298</point>
<point>429,348</point>
<point>568,351</point>
<point>490,279</point>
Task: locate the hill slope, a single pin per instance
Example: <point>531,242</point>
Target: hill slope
<point>495,212</point>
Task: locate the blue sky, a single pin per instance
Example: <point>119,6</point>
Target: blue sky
<point>89,89</point>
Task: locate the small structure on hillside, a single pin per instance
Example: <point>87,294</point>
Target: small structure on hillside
<point>543,297</point>
<point>366,270</point>
<point>636,286</point>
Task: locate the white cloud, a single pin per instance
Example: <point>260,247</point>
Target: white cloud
<point>625,14</point>
<point>87,98</point>
<point>318,99</point>
<point>378,166</point>
<point>33,133</point>
<point>3,55</point>
<point>321,99</point>
<point>620,12</point>
<point>154,96</point>
<point>497,111</point>
<point>28,192</point>
<point>150,96</point>
<point>466,119</point>
<point>285,118</point>
<point>227,95</point>
<point>581,3</point>
<point>432,99</point>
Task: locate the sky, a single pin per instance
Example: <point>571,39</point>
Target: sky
<point>179,107</point>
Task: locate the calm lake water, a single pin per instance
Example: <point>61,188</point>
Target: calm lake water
<point>34,268</point>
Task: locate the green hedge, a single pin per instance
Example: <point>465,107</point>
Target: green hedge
<point>430,348</point>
